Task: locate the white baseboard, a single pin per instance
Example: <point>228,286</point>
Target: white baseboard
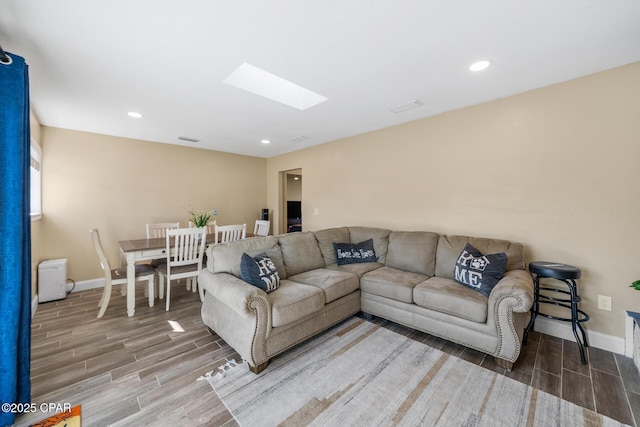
<point>563,330</point>
<point>85,285</point>
<point>34,305</point>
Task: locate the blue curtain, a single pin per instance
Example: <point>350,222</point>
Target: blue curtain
<point>15,237</point>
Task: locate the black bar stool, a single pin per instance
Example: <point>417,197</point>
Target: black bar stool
<point>568,275</point>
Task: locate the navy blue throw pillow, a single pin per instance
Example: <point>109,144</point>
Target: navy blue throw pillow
<point>479,272</point>
<point>352,253</point>
<point>259,271</point>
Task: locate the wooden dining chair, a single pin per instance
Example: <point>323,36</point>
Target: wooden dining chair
<point>211,225</point>
<point>159,229</point>
<point>118,276</point>
<point>261,228</point>
<point>185,249</point>
<point>229,233</point>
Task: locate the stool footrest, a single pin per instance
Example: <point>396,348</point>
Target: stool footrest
<point>584,317</point>
<point>574,298</point>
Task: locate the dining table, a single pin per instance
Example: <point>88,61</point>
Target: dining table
<point>145,250</point>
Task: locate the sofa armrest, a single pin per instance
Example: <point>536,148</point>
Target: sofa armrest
<point>240,296</point>
<point>517,284</point>
<point>509,303</point>
<point>239,313</point>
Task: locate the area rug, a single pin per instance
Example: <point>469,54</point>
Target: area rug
<point>360,374</point>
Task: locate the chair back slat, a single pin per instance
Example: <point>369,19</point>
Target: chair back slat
<point>185,246</point>
<point>261,228</point>
<point>159,229</point>
<point>229,233</point>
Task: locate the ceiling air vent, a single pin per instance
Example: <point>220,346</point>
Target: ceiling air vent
<point>186,138</point>
<point>300,138</point>
<point>406,107</point>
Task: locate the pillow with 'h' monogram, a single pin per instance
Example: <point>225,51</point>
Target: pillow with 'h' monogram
<point>259,271</point>
<point>479,272</point>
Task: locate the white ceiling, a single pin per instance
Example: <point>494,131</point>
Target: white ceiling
<point>92,61</point>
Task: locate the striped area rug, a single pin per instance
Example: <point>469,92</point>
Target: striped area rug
<point>359,374</point>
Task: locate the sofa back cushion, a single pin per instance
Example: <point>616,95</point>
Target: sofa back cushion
<point>380,238</point>
<point>226,257</point>
<point>450,247</point>
<point>300,252</point>
<point>413,251</point>
<point>326,239</point>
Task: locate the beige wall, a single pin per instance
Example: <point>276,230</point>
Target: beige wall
<point>118,185</point>
<point>555,169</point>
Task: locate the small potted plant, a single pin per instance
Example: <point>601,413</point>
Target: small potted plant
<point>199,218</point>
<point>635,285</point>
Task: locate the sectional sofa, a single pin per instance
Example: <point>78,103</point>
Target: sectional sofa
<point>411,280</point>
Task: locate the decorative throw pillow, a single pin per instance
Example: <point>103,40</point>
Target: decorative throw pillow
<point>352,253</point>
<point>479,272</point>
<point>259,271</point>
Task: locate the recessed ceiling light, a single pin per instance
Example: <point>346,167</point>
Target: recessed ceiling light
<point>265,141</point>
<point>480,65</point>
<point>260,82</point>
<point>134,114</point>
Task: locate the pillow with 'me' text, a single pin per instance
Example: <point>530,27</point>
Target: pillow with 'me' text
<point>479,272</point>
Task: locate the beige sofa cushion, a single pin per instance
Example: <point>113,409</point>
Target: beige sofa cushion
<point>359,269</point>
<point>326,239</point>
<point>335,284</point>
<point>292,301</point>
<point>226,257</point>
<point>448,296</point>
<point>380,238</point>
<point>449,248</point>
<point>413,251</point>
<point>300,252</point>
<point>391,283</point>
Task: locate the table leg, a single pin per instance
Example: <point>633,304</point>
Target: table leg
<point>131,284</point>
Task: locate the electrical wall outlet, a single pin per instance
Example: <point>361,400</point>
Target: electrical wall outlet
<point>604,302</point>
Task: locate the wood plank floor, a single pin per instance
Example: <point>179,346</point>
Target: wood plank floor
<point>143,370</point>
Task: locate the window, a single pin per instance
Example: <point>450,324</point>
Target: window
<point>36,180</point>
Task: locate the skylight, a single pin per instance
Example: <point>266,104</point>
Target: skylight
<point>260,82</point>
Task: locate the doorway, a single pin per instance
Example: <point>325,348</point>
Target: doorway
<point>291,201</point>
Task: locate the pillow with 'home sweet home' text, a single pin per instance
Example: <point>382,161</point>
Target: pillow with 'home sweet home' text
<point>479,272</point>
<point>352,253</point>
<point>259,271</point>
